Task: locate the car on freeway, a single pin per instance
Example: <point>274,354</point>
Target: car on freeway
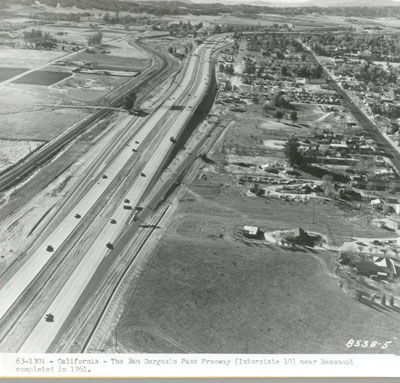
<point>136,142</point>
<point>109,245</point>
<point>49,317</point>
<point>77,216</point>
<point>50,248</point>
<point>104,176</point>
<point>143,175</point>
<point>126,200</point>
<point>112,220</point>
<point>134,150</point>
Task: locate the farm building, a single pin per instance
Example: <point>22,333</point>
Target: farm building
<point>252,232</point>
<point>376,203</point>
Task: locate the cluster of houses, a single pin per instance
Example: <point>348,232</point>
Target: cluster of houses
<point>377,261</point>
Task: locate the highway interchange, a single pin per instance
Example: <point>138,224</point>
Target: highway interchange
<point>111,196</point>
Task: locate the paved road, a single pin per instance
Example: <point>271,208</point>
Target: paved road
<point>14,288</point>
<point>361,117</point>
<point>11,290</point>
<point>43,334</point>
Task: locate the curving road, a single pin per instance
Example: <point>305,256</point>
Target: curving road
<point>21,170</point>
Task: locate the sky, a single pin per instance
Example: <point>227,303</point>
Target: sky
<point>278,1</point>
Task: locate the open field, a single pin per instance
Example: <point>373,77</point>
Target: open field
<point>33,123</point>
<point>42,77</point>
<point>125,49</point>
<point>208,291</point>
<point>26,58</point>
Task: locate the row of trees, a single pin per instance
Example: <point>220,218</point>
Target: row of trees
<point>59,16</point>
<point>130,100</point>
<point>40,39</point>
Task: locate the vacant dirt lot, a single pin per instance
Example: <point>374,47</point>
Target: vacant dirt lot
<point>13,151</point>
<point>219,297</point>
<point>84,88</point>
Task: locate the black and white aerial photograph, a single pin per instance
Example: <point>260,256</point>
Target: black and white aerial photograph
<point>200,176</point>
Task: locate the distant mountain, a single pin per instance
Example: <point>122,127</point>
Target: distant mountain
<point>168,1</point>
<point>352,3</point>
<point>304,3</point>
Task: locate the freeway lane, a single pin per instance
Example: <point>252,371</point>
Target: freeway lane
<point>12,289</point>
<point>44,333</point>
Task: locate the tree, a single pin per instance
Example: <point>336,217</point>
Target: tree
<point>130,101</point>
<point>293,116</point>
<point>292,153</point>
<point>95,39</point>
<point>278,115</point>
<point>327,185</point>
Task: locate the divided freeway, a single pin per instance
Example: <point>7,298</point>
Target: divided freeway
<point>167,121</point>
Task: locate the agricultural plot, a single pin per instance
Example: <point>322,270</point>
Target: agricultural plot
<point>104,61</point>
<point>7,73</point>
<point>42,77</point>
